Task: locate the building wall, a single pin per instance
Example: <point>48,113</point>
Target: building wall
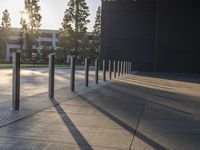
<point>128,32</point>
<point>178,36</point>
<point>158,35</point>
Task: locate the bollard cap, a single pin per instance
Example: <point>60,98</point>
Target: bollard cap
<point>17,51</point>
<point>52,54</point>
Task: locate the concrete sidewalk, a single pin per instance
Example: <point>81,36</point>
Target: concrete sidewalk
<point>136,112</point>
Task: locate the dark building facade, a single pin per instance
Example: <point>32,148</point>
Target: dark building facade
<point>158,35</point>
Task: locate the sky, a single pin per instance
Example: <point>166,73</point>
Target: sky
<point>52,12</point>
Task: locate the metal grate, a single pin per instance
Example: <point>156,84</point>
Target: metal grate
<point>33,104</point>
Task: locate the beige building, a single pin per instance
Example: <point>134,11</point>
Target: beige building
<point>47,38</point>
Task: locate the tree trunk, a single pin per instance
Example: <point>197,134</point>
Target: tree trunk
<point>76,29</point>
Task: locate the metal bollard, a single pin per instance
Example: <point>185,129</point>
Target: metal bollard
<point>72,77</point>
<point>16,81</point>
<point>96,71</point>
<point>127,67</point>
<point>51,75</point>
<point>110,69</point>
<point>124,70</point>
<point>104,70</point>
<point>114,68</point>
<point>121,72</point>
<point>86,72</point>
<point>118,68</point>
<point>131,66</point>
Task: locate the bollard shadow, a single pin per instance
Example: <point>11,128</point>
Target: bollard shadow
<point>167,109</point>
<point>78,137</point>
<point>174,95</point>
<point>152,102</point>
<point>190,78</point>
<point>124,125</point>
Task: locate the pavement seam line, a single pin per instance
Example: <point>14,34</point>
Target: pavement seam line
<point>139,120</point>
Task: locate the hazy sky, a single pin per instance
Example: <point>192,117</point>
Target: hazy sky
<point>52,12</point>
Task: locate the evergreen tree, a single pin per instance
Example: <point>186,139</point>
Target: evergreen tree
<point>97,30</point>
<point>73,34</point>
<point>60,55</point>
<point>4,32</point>
<point>24,32</point>
<point>6,20</point>
<point>93,51</point>
<point>32,7</point>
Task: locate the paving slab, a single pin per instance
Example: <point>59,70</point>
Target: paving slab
<point>135,112</point>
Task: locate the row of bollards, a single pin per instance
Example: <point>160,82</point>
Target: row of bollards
<point>118,68</point>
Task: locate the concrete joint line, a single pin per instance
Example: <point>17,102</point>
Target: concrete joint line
<point>139,120</point>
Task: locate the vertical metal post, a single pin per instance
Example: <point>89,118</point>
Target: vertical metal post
<point>16,81</point>
<point>110,69</point>
<point>51,75</point>
<point>72,77</point>
<point>131,66</point>
<point>118,68</point>
<point>114,68</point>
<point>122,68</point>
<point>104,70</point>
<point>86,72</point>
<point>126,67</point>
<point>96,70</point>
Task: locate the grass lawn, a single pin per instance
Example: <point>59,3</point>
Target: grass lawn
<point>31,65</point>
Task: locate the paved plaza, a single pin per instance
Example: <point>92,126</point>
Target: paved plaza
<point>142,111</point>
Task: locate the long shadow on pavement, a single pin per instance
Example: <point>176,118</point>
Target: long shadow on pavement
<point>78,137</point>
<point>190,78</point>
<point>124,125</point>
<point>156,103</point>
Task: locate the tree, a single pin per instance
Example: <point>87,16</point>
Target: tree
<point>4,32</point>
<point>33,25</point>
<point>60,55</point>
<point>24,31</point>
<point>44,54</point>
<point>97,30</point>
<point>93,51</point>
<point>73,34</point>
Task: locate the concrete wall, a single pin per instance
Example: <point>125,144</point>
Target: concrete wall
<point>158,35</point>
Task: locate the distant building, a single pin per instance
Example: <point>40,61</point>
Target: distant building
<point>46,39</point>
